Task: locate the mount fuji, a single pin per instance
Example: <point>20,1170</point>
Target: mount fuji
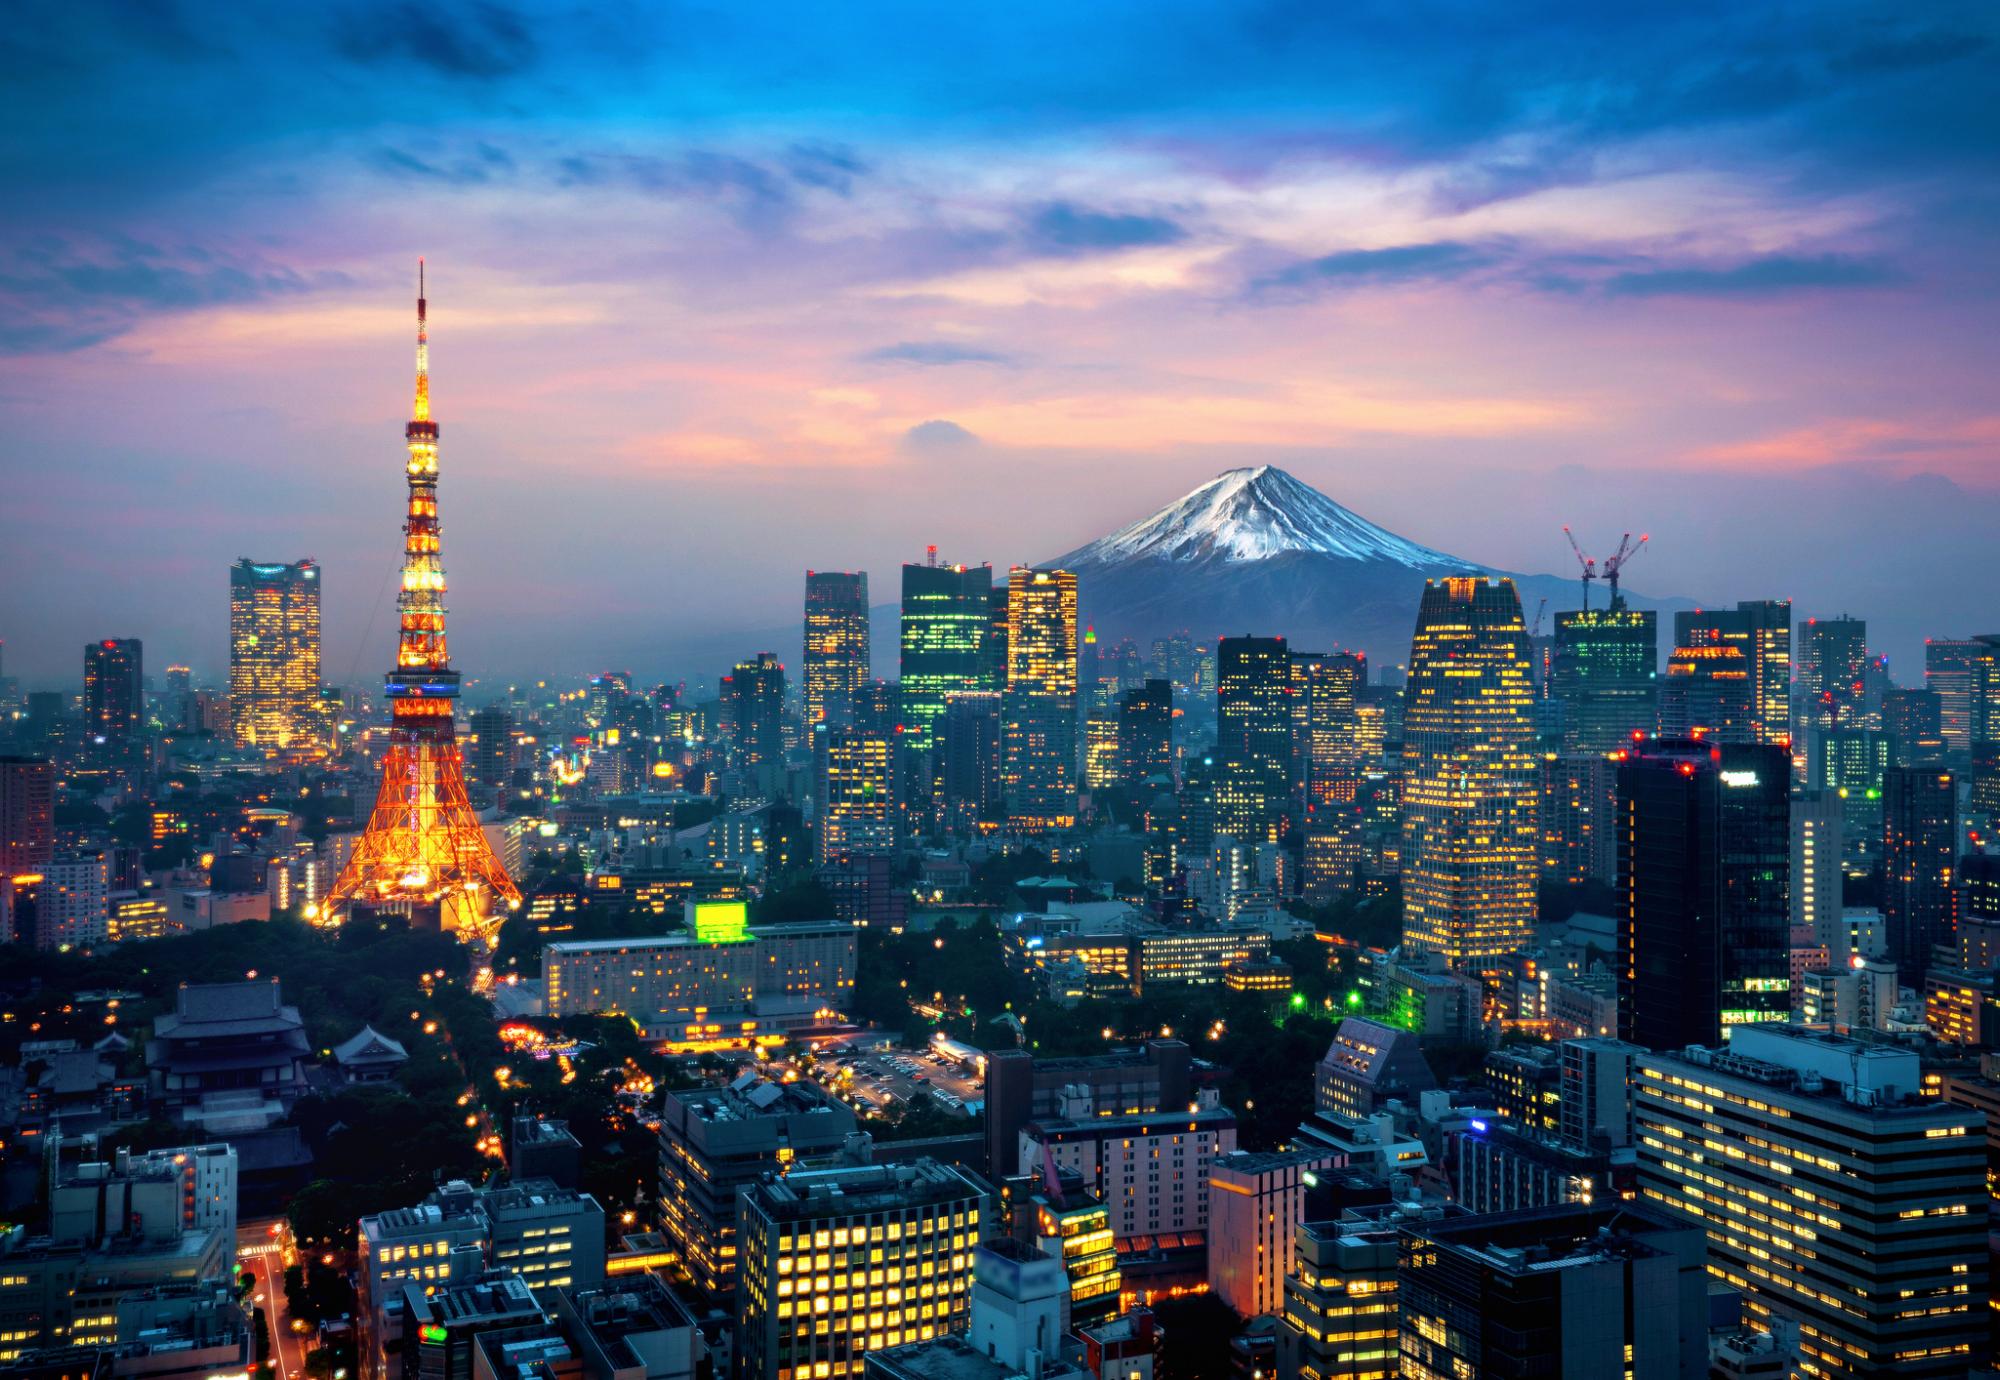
<point>1259,551</point>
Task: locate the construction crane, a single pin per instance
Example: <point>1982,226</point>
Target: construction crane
<point>1535,628</point>
<point>1615,563</point>
<point>1588,563</point>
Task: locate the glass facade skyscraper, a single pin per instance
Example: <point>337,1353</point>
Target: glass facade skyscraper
<point>1762,630</point>
<point>836,645</point>
<point>274,654</point>
<point>1606,676</point>
<point>944,640</point>
<point>1039,706</point>
<point>1469,855</point>
<point>1253,730</point>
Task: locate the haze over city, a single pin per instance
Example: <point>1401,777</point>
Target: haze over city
<point>719,294</point>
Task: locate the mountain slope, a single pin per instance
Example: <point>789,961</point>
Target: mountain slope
<point>1258,551</point>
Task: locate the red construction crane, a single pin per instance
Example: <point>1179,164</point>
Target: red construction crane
<point>1589,565</point>
<point>1616,562</point>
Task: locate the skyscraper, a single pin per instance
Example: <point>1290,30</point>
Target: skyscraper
<point>967,757</point>
<point>1146,733</point>
<point>855,801</point>
<point>1253,732</point>
<point>1762,630</point>
<point>1709,693</point>
<point>274,654</point>
<point>1914,719</point>
<point>1606,677</point>
<point>1832,658</point>
<point>27,816</point>
<point>423,852</point>
<point>753,709</point>
<point>1039,706</point>
<point>489,761</point>
<point>1919,848</point>
<point>1817,876</point>
<point>1704,856</point>
<point>1326,747</point>
<point>114,699</point>
<point>1948,664</point>
<point>944,634</point>
<point>836,644</point>
<point>1469,854</point>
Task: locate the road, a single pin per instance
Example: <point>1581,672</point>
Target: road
<point>260,1254</point>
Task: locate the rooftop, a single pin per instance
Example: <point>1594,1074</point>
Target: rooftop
<point>876,1188</point>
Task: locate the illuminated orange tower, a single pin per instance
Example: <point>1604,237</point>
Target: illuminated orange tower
<point>423,853</point>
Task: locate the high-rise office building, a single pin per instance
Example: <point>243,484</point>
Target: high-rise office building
<point>274,654</point>
<point>1326,751</point>
<point>836,645</point>
<point>1836,1197</point>
<point>1605,675</point>
<point>27,815</point>
<point>1833,655</point>
<point>836,1263</point>
<point>1914,721</point>
<point>1039,706</point>
<point>489,756</point>
<point>967,759</point>
<point>1708,694</point>
<point>1762,630</point>
<point>753,708</point>
<point>1470,850</point>
<point>1255,1202</point>
<point>1253,730</point>
<point>945,617</point>
<point>855,791</point>
<point>1818,880</point>
<point>1578,820</point>
<point>1146,734</point>
<point>1850,762</point>
<point>1704,857</point>
<point>1948,667</point>
<point>114,697</point>
<point>1919,855</point>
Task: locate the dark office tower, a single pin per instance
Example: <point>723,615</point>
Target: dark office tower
<point>944,636</point>
<point>753,707</point>
<point>1914,721</point>
<point>1832,658</point>
<point>1470,851</point>
<point>113,688</point>
<point>1704,857</point>
<point>1850,762</point>
<point>993,661</point>
<point>1253,732</point>
<point>1146,734</point>
<point>489,757</point>
<point>1984,796</point>
<point>1709,694</point>
<point>1606,677</point>
<point>968,760</point>
<point>1948,666</point>
<point>274,654</point>
<point>27,816</point>
<point>1983,711</point>
<point>1578,818</point>
<point>1039,706</point>
<point>1326,738</point>
<point>1762,630</point>
<point>854,778</point>
<point>836,644</point>
<point>1919,844</point>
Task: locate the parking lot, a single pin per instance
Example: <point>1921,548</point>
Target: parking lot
<point>887,1078</point>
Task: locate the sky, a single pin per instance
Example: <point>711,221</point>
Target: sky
<point>721,292</point>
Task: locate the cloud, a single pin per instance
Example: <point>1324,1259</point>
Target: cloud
<point>932,352</point>
<point>1062,228</point>
<point>484,40</point>
<point>758,196</point>
<point>938,437</point>
<point>481,165</point>
<point>1401,263</point>
<point>1766,277</point>
<point>60,296</point>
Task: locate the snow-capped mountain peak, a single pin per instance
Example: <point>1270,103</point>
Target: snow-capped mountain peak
<point>1251,515</point>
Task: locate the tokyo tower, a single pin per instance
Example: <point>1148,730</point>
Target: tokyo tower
<point>424,854</point>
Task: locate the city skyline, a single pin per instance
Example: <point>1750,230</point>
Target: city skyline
<point>1721,281</point>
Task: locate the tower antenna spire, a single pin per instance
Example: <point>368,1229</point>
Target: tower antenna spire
<point>422,411</point>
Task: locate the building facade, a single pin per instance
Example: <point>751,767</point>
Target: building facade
<point>274,654</point>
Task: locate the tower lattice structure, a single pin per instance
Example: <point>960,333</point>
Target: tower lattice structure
<point>423,851</point>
